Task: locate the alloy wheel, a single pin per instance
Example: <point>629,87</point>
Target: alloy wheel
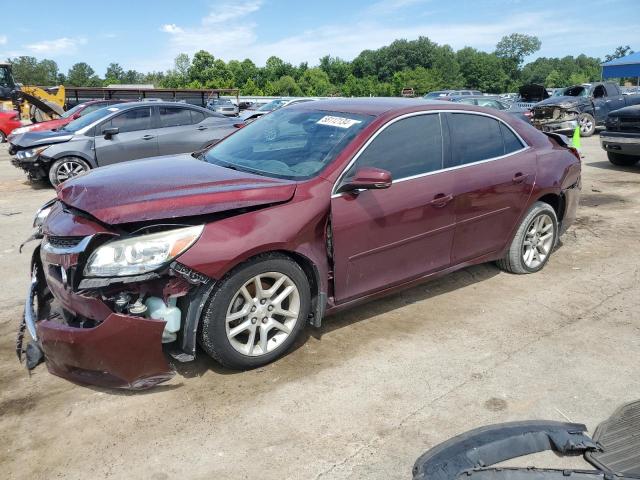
<point>68,169</point>
<point>538,241</point>
<point>262,314</point>
<point>585,125</point>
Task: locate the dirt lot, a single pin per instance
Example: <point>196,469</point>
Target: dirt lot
<point>378,385</point>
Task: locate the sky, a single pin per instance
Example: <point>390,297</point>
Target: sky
<point>147,35</point>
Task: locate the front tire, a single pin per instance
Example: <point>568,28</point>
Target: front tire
<point>533,242</point>
<point>622,160</point>
<point>3,137</point>
<point>256,313</point>
<point>587,124</point>
<point>66,168</point>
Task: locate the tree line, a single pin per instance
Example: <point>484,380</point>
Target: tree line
<point>419,64</point>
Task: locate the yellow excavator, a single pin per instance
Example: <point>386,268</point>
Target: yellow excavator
<point>33,103</point>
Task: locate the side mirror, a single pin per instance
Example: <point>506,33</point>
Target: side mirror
<point>367,178</point>
<point>110,132</point>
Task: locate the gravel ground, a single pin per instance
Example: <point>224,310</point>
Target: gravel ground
<point>374,388</point>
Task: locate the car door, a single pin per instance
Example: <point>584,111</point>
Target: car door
<point>135,138</point>
<point>385,237</point>
<point>183,129</point>
<point>495,174</point>
<point>615,99</point>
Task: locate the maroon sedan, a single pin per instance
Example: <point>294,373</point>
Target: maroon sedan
<point>311,209</point>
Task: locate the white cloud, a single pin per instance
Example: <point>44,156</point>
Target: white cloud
<point>59,46</point>
<point>3,39</point>
<point>171,28</point>
<point>231,11</point>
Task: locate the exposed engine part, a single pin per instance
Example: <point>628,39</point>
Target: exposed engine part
<point>168,312</point>
<point>122,301</point>
<point>138,309</point>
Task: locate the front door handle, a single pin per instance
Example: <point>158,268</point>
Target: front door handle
<point>148,137</point>
<point>519,177</point>
<point>441,200</point>
<point>201,128</point>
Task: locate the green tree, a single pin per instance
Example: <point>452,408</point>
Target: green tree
<point>29,71</point>
<point>482,71</point>
<point>336,69</point>
<point>512,49</point>
<point>82,75</point>
<point>275,68</point>
<point>420,79</point>
<point>285,85</point>
<point>315,82</point>
<point>555,79</point>
<point>114,74</point>
<point>619,53</point>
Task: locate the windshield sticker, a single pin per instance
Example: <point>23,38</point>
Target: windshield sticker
<point>340,122</point>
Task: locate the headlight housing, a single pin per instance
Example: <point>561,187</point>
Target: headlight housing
<point>140,254</point>
<point>31,153</point>
<point>43,213</point>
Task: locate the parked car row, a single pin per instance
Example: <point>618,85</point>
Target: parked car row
<point>314,208</point>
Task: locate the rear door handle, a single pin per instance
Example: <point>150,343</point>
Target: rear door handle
<point>201,128</point>
<point>441,200</point>
<point>519,177</point>
<point>148,137</point>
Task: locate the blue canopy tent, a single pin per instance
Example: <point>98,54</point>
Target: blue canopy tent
<point>625,67</point>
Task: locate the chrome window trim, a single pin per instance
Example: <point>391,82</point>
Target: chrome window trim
<point>428,112</point>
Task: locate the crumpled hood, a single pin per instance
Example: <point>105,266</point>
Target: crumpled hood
<point>169,187</point>
<point>35,139</point>
<point>564,100</point>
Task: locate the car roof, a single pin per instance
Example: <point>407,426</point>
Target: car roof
<point>126,105</point>
<point>375,106</point>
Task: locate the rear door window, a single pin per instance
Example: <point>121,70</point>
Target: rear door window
<point>196,116</point>
<point>175,116</point>
<point>131,120</point>
<point>407,147</point>
<point>511,142</point>
<point>473,138</point>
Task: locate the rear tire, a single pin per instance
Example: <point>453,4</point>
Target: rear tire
<point>250,321</point>
<point>66,168</point>
<point>533,242</point>
<point>3,137</point>
<point>622,160</point>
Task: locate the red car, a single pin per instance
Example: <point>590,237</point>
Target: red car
<point>9,121</point>
<point>314,208</point>
<point>67,117</point>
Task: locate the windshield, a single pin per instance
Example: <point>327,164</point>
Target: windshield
<point>88,119</point>
<point>274,105</point>
<point>220,101</point>
<point>73,111</point>
<point>289,143</point>
<point>434,94</point>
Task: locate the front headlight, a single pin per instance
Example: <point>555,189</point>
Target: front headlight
<point>141,254</point>
<point>31,153</point>
<point>43,213</point>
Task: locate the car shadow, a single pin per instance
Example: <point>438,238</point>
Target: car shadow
<point>38,184</point>
<point>609,166</point>
<point>362,312</point>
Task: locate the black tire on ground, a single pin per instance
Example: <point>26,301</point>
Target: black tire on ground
<point>513,261</point>
<point>3,137</point>
<point>587,124</point>
<point>66,167</point>
<point>622,160</point>
<point>212,334</point>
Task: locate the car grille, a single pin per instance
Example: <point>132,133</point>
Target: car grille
<point>629,125</point>
<point>64,242</point>
<point>545,113</point>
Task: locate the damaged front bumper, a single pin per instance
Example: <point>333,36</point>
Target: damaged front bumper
<point>121,351</point>
<point>85,334</point>
<point>554,119</point>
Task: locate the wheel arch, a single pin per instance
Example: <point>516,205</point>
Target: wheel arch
<point>557,202</point>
